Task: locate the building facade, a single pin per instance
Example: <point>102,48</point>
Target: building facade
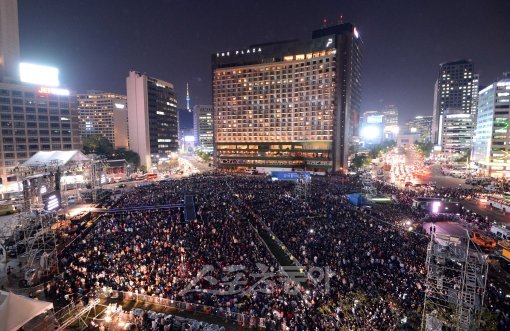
<point>152,118</point>
<point>203,127</point>
<point>371,128</point>
<point>391,128</point>
<point>105,114</point>
<point>289,105</point>
<point>421,126</point>
<point>407,139</point>
<point>492,137</point>
<point>187,141</point>
<point>456,132</point>
<point>9,40</point>
<point>454,93</point>
<point>34,119</point>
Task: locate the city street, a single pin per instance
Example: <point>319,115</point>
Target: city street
<point>445,181</point>
<point>194,162</point>
<point>493,215</point>
<point>435,176</point>
<point>406,167</point>
<point>432,173</point>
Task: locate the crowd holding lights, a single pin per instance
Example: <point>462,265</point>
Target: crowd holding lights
<point>375,268</point>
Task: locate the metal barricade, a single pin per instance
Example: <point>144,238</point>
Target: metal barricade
<point>241,319</point>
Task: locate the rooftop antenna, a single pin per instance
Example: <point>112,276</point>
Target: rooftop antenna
<point>341,19</point>
<point>324,22</point>
<point>187,98</point>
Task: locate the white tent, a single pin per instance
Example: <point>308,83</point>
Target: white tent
<point>42,158</point>
<point>17,310</point>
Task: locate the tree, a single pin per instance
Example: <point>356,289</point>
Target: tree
<point>424,148</point>
<point>463,157</point>
<point>354,148</point>
<point>204,156</point>
<point>131,157</point>
<point>359,160</point>
<point>97,144</point>
<point>378,149</point>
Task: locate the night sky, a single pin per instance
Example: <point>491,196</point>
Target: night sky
<point>96,42</point>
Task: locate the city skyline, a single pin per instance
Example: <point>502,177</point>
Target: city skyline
<point>401,58</point>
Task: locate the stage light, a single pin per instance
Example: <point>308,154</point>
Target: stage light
<point>370,132</point>
<point>435,206</point>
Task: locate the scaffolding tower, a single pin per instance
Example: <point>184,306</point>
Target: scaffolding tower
<point>37,241</point>
<point>98,172</point>
<point>303,185</point>
<point>455,284</point>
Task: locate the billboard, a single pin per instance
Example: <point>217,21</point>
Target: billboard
<point>374,119</point>
<point>38,74</point>
<point>290,175</point>
<point>52,201</point>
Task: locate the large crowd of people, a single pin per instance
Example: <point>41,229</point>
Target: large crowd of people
<point>373,269</point>
<point>157,252</point>
<point>378,269</point>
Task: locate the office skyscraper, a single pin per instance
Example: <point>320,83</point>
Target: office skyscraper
<point>422,126</point>
<point>454,93</point>
<point>456,132</point>
<point>33,116</point>
<point>291,105</point>
<point>203,127</point>
<point>152,118</point>
<point>105,114</point>
<point>9,40</point>
<point>34,119</point>
<point>390,119</point>
<point>492,140</point>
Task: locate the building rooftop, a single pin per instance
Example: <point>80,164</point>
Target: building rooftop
<point>53,157</point>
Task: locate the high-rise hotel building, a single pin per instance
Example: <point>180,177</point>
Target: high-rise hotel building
<point>152,114</point>
<point>289,105</point>
<point>455,99</point>
<point>104,114</point>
